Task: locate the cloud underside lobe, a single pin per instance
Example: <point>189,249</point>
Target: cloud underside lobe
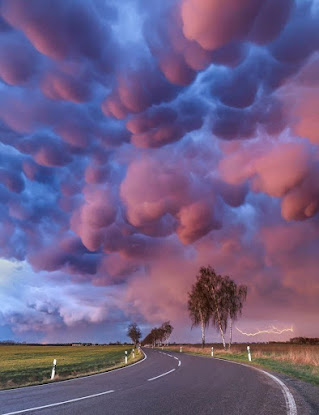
<point>140,141</point>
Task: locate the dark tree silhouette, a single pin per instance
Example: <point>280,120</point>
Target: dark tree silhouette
<point>134,333</point>
<point>167,330</point>
<point>158,335</point>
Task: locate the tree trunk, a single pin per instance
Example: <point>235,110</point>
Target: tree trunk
<point>222,334</point>
<point>230,332</point>
<point>219,318</point>
<point>203,333</point>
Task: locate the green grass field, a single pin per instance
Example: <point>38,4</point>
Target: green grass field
<point>298,361</point>
<point>29,365</point>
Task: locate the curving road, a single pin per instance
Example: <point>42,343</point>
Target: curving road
<point>163,383</point>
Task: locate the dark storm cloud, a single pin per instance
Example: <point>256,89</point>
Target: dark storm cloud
<point>59,29</point>
<point>162,125</point>
<point>137,90</point>
<point>18,60</point>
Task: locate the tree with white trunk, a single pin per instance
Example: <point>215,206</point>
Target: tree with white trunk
<point>235,297</point>
<point>215,298</point>
<point>199,306</point>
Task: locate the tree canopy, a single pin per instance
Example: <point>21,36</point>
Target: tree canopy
<point>159,335</point>
<point>134,333</point>
<point>199,306</point>
<point>215,299</point>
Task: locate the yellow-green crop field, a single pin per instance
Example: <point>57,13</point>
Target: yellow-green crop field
<point>23,365</point>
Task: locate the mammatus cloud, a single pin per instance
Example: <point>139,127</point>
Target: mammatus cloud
<point>136,149</point>
<point>285,170</point>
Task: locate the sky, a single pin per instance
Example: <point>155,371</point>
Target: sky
<point>140,140</point>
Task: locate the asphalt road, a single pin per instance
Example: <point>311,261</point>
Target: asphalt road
<point>170,383</point>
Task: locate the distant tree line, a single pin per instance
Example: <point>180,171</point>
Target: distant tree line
<point>159,335</point>
<point>217,300</point>
<point>304,340</point>
<point>16,343</point>
<point>10,342</point>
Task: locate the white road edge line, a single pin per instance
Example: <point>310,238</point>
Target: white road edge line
<point>175,357</point>
<point>58,403</point>
<point>289,399</point>
<point>156,377</point>
<point>74,379</point>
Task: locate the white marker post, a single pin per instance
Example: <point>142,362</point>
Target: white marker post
<point>212,353</point>
<point>181,349</point>
<point>53,369</point>
<point>249,355</point>
<point>133,353</point>
<point>125,357</point>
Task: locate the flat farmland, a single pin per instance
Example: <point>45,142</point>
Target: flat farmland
<point>300,361</point>
<point>23,365</point>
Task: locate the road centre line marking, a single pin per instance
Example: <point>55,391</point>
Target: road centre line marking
<point>179,362</point>
<point>58,403</point>
<point>156,377</point>
<point>88,396</point>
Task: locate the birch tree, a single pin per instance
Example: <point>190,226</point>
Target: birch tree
<point>236,296</point>
<point>217,293</point>
<point>167,329</point>
<point>199,305</point>
<point>215,298</point>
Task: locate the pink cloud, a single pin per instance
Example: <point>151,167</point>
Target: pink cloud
<point>300,98</point>
<point>96,213</point>
<point>213,24</point>
<point>65,87</point>
<point>286,170</point>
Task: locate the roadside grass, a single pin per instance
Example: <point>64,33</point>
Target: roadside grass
<point>23,365</point>
<point>298,361</point>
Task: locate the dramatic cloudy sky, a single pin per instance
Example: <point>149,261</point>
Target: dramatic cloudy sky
<point>141,139</point>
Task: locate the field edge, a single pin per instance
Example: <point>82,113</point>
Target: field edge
<point>279,369</point>
<point>139,358</point>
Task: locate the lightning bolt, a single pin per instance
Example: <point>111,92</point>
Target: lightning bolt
<point>271,330</point>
